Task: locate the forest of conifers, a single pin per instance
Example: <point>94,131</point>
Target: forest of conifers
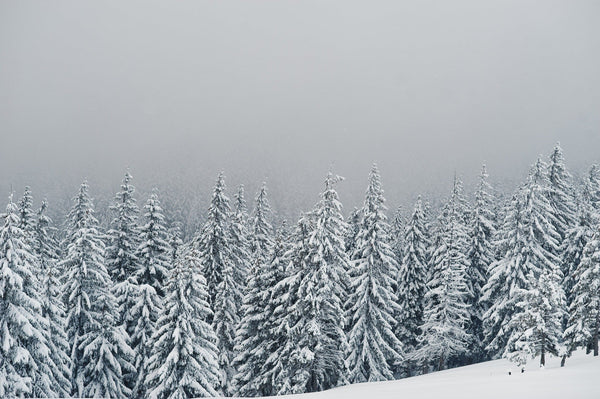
<point>246,308</point>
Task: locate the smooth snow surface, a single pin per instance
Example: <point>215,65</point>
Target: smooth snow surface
<point>490,380</point>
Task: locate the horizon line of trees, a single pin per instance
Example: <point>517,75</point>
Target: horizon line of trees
<point>244,308</point>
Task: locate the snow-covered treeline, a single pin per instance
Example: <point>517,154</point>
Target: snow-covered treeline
<point>246,308</point>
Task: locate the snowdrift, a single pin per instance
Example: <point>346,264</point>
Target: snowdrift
<point>579,379</point>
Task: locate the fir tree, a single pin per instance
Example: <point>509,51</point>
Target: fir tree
<point>374,349</point>
<point>537,326</point>
<point>26,213</point>
<point>561,195</point>
<point>121,259</point>
<point>240,244</point>
<point>154,251</point>
<point>213,243</point>
<point>481,255</point>
<point>123,237</point>
<point>583,327</point>
<point>46,249</point>
<point>184,360</point>
<point>445,338</point>
<point>529,240</point>
<point>412,278</point>
<point>252,334</point>
<point>225,322</point>
<point>106,355</point>
<point>24,354</point>
<point>94,339</point>
<point>317,361</point>
<point>277,316</point>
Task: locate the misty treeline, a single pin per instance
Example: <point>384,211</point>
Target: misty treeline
<point>245,308</point>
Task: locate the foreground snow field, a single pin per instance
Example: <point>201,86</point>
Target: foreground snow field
<point>490,380</point>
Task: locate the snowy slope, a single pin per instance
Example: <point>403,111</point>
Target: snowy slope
<point>579,379</point>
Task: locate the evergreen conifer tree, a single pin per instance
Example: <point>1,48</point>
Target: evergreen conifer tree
<point>445,335</point>
<point>154,251</point>
<point>412,279</point>
<point>100,356</point>
<point>373,347</point>
<point>213,243</point>
<point>24,354</point>
<point>46,249</point>
<point>481,255</point>
<point>184,361</point>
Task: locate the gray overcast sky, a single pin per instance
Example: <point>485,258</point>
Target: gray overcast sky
<point>284,89</point>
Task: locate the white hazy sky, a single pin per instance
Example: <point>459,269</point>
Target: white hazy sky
<point>284,89</point>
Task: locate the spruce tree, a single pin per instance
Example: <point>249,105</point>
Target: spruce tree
<point>445,335</point>
<point>320,285</point>
<point>154,251</point>
<point>100,356</point>
<point>528,239</point>
<point>225,322</point>
<point>374,349</point>
<point>213,243</point>
<point>184,360</point>
<point>537,325</point>
<point>121,259</point>
<point>561,195</point>
<point>46,249</point>
<point>583,327</point>
<point>24,354</point>
<point>240,244</point>
<point>26,213</point>
<point>412,278</point>
<point>481,255</point>
<point>277,315</point>
<point>252,334</point>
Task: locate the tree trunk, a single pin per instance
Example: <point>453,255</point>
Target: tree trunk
<point>543,356</point>
<point>595,338</point>
<point>441,363</point>
<point>562,361</point>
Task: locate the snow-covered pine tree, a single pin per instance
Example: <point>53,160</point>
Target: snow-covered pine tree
<point>537,325</point>
<point>593,187</point>
<point>528,239</point>
<point>354,227</point>
<point>100,355</point>
<point>213,242</point>
<point>583,327</point>
<point>445,335</point>
<point>46,249</point>
<point>561,194</point>
<point>562,199</point>
<point>412,279</point>
<point>225,323</point>
<point>240,244</point>
<point>145,312</point>
<point>121,260</point>
<point>123,235</point>
<point>106,355</point>
<point>24,354</point>
<point>184,356</point>
<point>317,361</point>
<point>251,333</point>
<point>277,314</point>
<point>154,251</point>
<point>373,347</point>
<point>581,260</point>
<point>26,213</point>
<point>397,227</point>
<point>261,244</point>
<point>481,255</point>
<point>574,243</point>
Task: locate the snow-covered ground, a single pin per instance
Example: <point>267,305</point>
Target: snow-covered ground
<point>579,379</point>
